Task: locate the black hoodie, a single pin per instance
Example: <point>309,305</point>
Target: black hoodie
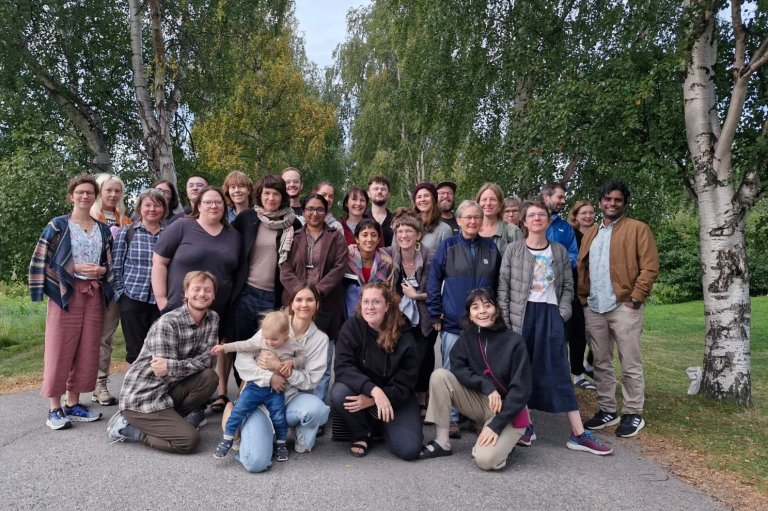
<point>507,357</point>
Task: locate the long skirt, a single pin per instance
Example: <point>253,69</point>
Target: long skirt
<point>544,333</point>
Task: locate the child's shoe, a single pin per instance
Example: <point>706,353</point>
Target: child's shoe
<point>281,452</point>
<point>222,449</point>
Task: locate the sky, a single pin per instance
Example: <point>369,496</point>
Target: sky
<point>324,24</point>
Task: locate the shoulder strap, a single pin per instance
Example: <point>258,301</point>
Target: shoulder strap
<point>129,237</point>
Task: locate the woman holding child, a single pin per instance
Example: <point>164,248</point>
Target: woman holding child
<point>303,411</point>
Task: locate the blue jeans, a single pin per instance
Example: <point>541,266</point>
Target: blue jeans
<point>321,390</point>
<point>248,308</point>
<point>305,412</point>
<point>447,340</point>
<point>251,398</point>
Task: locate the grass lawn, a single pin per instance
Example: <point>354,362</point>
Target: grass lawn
<point>724,436</point>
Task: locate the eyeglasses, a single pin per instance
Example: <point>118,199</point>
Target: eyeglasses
<point>83,193</point>
<point>167,193</point>
<point>212,203</point>
<point>471,218</point>
<point>536,215</point>
<point>372,303</point>
<point>310,211</point>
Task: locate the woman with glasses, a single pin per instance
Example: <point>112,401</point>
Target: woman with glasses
<point>71,265</point>
<point>171,197</point>
<point>203,241</point>
<point>318,257</point>
<point>535,291</point>
<point>461,263</point>
<point>376,367</point>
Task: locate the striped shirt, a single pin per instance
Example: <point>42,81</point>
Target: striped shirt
<point>187,348</point>
<point>133,264</point>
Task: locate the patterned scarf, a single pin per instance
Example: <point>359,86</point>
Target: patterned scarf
<point>280,220</point>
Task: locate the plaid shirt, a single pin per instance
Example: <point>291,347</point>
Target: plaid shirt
<point>186,346</point>
<point>133,264</point>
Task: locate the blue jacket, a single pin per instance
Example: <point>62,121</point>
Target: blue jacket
<point>562,232</point>
<point>454,273</point>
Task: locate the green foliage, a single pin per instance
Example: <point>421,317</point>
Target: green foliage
<point>680,268</point>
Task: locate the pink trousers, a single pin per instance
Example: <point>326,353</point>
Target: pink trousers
<point>72,340</point>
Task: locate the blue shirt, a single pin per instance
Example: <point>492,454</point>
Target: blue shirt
<point>602,297</point>
<point>133,264</point>
<point>561,232</point>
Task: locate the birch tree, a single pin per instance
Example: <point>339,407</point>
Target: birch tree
<point>725,190</point>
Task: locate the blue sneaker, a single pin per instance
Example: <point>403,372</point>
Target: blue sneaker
<point>57,419</point>
<point>587,443</point>
<point>80,413</point>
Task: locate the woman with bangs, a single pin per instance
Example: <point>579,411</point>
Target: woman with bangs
<point>355,204</point>
<point>376,370</point>
<point>109,209</point>
<point>367,263</point>
<point>491,200</point>
<point>171,197</point>
<point>238,192</point>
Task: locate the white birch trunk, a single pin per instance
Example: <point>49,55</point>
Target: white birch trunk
<point>722,217</point>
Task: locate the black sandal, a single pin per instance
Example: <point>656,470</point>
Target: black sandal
<point>361,445</point>
<point>434,450</point>
<point>217,407</point>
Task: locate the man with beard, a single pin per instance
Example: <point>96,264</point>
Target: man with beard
<point>378,192</point>
<point>446,195</point>
<point>559,230</point>
<point>618,264</point>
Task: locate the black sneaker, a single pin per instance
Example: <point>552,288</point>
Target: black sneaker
<point>222,449</point>
<point>196,418</point>
<point>602,420</point>
<point>631,424</point>
<point>281,452</point>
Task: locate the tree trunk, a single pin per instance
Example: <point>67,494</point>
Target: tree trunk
<point>722,217</point>
<point>156,116</point>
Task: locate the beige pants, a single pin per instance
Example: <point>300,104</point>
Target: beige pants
<point>110,320</point>
<point>446,391</point>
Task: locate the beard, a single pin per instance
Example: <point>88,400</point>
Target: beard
<point>379,202</point>
<point>446,207</point>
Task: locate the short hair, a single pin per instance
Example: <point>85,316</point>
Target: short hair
<point>355,190</point>
<point>275,323</point>
<point>274,182</point>
<point>533,203</point>
<point>317,186</point>
<point>101,180</point>
<point>613,185</point>
<point>406,217</point>
<point>82,179</point>
<point>512,202</point>
<point>152,194</point>
<point>468,204</point>
<point>174,202</point>
<point>379,179</point>
<point>199,275</point>
<point>368,223</point>
<point>496,189</point>
<point>551,188</point>
<point>237,178</point>
<point>575,211</point>
<point>195,213</point>
<point>199,177</point>
<point>312,196</point>
<point>484,295</point>
<point>286,169</point>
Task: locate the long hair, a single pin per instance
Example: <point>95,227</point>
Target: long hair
<point>496,190</point>
<point>315,293</point>
<point>389,331</point>
<point>237,178</point>
<point>101,180</point>
<point>484,295</point>
<point>431,217</point>
<point>173,204</point>
<point>575,211</point>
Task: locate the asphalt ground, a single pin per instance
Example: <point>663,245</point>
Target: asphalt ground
<point>78,468</point>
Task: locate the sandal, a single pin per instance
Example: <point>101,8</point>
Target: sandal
<point>219,403</point>
<point>361,446</point>
<point>434,450</point>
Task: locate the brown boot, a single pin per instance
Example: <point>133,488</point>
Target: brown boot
<point>101,394</point>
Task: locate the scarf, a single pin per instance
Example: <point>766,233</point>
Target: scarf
<point>282,219</point>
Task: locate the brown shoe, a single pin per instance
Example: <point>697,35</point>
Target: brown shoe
<point>101,394</point>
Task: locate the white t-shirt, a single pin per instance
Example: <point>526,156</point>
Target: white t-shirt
<point>543,281</point>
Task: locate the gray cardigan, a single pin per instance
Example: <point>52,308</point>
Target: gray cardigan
<point>515,282</point>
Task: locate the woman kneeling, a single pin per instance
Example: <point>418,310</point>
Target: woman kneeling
<point>376,369</point>
<point>489,382</point>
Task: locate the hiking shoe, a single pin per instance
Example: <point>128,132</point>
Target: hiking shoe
<point>602,420</point>
<point>101,393</point>
<point>281,452</point>
<point>222,449</point>
<point>587,443</point>
<point>196,418</point>
<point>119,429</point>
<point>57,420</point>
<point>528,437</point>
<point>631,424</point>
<point>453,430</point>
<point>81,413</point>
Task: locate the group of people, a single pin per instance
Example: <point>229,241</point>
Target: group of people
<point>259,277</point>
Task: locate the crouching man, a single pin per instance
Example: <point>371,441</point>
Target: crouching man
<point>166,389</point>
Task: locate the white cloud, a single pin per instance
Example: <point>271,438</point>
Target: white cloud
<point>324,24</point>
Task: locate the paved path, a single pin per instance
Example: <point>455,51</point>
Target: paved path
<point>79,469</point>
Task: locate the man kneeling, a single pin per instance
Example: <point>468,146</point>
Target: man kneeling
<point>166,389</point>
